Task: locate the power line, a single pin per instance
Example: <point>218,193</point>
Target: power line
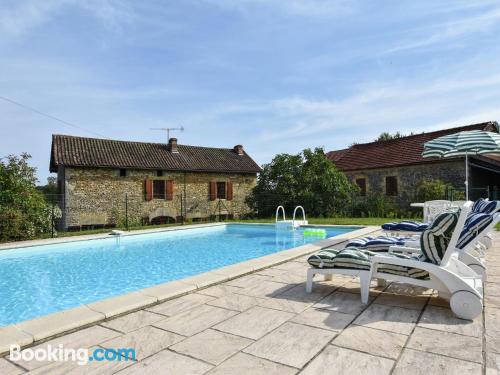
<point>50,116</point>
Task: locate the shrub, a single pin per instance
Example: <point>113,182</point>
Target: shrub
<point>428,190</point>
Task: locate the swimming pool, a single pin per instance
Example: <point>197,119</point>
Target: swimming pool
<point>39,280</point>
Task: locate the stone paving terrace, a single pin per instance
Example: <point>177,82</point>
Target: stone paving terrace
<point>265,323</point>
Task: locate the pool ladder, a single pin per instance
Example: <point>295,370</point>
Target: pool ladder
<point>290,224</point>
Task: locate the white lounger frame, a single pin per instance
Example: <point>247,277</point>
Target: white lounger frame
<point>452,279</point>
<point>470,255</point>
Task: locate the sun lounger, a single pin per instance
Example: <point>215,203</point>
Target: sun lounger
<point>437,267</point>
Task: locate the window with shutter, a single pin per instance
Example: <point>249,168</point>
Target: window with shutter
<point>229,187</point>
<point>221,190</point>
<point>148,187</point>
<point>159,189</point>
<point>361,182</point>
<point>212,190</point>
<point>391,186</point>
<point>170,190</point>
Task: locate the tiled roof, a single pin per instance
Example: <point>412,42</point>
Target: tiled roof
<point>394,152</point>
<point>73,151</point>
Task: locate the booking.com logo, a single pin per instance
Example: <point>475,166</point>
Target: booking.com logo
<point>61,354</point>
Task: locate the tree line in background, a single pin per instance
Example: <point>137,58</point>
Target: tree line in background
<point>309,179</point>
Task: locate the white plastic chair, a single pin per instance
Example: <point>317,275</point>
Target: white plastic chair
<point>433,208</point>
<point>471,255</point>
<point>451,278</point>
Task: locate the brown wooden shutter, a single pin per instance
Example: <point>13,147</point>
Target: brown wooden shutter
<point>169,190</point>
<point>213,190</point>
<point>148,188</point>
<point>229,191</point>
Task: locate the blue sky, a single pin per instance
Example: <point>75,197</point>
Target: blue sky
<point>274,75</point>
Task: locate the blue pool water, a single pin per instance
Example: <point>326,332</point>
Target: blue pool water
<point>39,280</point>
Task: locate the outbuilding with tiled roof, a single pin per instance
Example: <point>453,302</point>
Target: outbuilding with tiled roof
<point>395,167</point>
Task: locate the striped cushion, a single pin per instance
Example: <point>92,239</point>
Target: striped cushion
<point>435,239</point>
<point>323,258</point>
<point>356,259</point>
<point>359,242</point>
<point>379,244</point>
<point>475,223</point>
<point>410,226</point>
<point>485,207</point>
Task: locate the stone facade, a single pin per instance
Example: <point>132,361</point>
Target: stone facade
<point>100,196</point>
<point>408,177</point>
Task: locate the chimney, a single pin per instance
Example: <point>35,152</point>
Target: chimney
<point>238,149</point>
<point>172,146</point>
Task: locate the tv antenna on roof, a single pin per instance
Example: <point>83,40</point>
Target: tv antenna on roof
<point>168,131</point>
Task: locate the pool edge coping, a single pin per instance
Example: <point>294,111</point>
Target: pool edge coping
<point>38,330</point>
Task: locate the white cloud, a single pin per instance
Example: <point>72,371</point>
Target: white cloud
<point>453,30</point>
<point>309,8</point>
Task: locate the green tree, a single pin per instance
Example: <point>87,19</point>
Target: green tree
<point>24,213</point>
<point>308,179</point>
<point>428,190</point>
<point>50,190</point>
<point>385,136</point>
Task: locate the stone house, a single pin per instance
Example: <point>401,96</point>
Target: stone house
<point>395,167</point>
<point>109,182</point>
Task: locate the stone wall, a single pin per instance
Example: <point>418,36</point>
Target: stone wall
<point>408,177</point>
<point>97,196</point>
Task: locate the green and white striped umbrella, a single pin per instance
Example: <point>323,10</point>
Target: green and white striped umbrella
<point>472,142</point>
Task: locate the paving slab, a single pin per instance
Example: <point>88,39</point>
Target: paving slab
<point>282,276</point>
<point>245,364</point>
<point>348,303</point>
<point>254,322</point>
<point>237,302</point>
<point>298,293</point>
<point>265,288</point>
<point>63,321</point>
<point>246,281</point>
<point>13,335</point>
<point>84,338</point>
<point>92,367</point>
<point>468,348</point>
<point>398,300</point>
<point>169,290</point>
<point>195,320</point>
<point>132,321</point>
<point>7,368</point>
<point>291,344</point>
<point>118,305</point>
<point>371,341</point>
<point>211,346</point>
<point>421,363</point>
<point>284,304</point>
<point>492,364</point>
<point>388,318</point>
<point>146,341</point>
<point>179,305</point>
<point>204,279</point>
<point>442,319</point>
<point>340,361</point>
<point>354,287</point>
<point>492,288</point>
<point>218,290</point>
<point>167,362</point>
<point>319,318</point>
